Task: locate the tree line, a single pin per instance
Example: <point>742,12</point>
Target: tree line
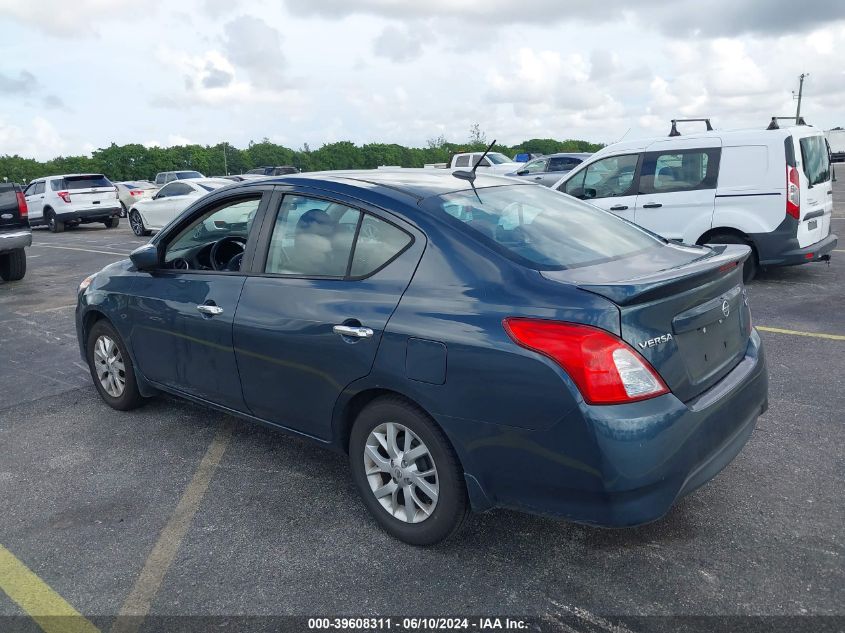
<point>137,162</point>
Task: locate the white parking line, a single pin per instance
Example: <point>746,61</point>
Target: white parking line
<point>84,250</point>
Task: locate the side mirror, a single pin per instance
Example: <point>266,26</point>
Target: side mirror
<point>522,172</point>
<point>589,193</point>
<point>145,257</point>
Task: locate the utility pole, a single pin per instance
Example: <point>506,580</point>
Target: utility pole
<point>226,167</point>
<point>800,93</point>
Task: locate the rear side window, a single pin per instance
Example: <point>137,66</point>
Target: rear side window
<point>72,183</point>
<point>185,175</point>
<point>540,228</point>
<point>563,163</point>
<point>815,160</point>
<point>378,242</point>
<point>462,161</point>
<point>686,170</point>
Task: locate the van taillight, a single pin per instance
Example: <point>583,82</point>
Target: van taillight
<point>23,210</point>
<point>793,193</point>
<point>64,195</point>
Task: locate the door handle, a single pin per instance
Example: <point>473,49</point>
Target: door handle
<point>652,205</point>
<point>352,331</point>
<point>210,310</point>
<point>619,207</point>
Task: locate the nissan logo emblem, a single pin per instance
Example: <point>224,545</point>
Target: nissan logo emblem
<point>726,308</point>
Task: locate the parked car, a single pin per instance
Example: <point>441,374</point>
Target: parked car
<point>272,171</point>
<point>836,141</point>
<point>15,234</point>
<point>768,188</point>
<point>153,214</point>
<point>62,201</point>
<point>549,169</point>
<point>503,346</point>
<point>493,162</point>
<point>131,191</point>
<point>164,177</point>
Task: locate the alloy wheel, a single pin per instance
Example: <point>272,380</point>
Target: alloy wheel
<point>401,472</point>
<point>108,363</point>
<point>136,222</point>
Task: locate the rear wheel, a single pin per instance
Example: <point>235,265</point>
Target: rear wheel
<point>123,211</point>
<point>751,266</point>
<point>137,223</point>
<point>13,265</point>
<point>55,225</point>
<point>112,223</point>
<point>111,368</point>
<point>407,473</point>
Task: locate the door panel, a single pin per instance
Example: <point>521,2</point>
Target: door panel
<point>609,183</point>
<point>35,202</point>
<point>180,347</point>
<point>293,365</point>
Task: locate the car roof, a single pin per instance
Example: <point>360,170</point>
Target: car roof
<point>417,183</point>
<point>567,154</point>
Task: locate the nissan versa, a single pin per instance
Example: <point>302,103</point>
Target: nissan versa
<point>471,343</point>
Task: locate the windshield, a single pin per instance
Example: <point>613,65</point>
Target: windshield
<point>815,159</point>
<point>187,175</point>
<point>497,159</point>
<point>541,228</point>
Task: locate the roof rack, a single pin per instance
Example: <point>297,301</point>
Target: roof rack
<point>774,124</point>
<point>674,130</point>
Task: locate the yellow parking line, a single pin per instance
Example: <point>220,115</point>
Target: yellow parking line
<point>42,604</point>
<point>140,599</point>
<point>777,330</point>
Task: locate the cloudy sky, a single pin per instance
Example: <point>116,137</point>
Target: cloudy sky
<point>79,75</point>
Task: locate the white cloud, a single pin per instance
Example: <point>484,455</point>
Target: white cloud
<point>398,44</point>
<point>39,139</point>
<point>67,19</point>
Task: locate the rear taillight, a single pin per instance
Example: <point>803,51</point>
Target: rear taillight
<point>116,193</point>
<point>605,369</point>
<point>64,195</point>
<point>23,210</point>
<point>136,192</point>
<point>793,193</point>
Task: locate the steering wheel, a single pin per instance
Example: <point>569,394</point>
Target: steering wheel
<point>220,258</point>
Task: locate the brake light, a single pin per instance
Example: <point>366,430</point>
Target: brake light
<point>605,368</point>
<point>136,192</point>
<point>793,193</point>
<point>23,210</point>
<point>64,195</point>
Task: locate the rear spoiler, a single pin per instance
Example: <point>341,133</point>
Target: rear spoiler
<point>724,259</point>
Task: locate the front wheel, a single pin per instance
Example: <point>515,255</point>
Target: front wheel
<point>111,368</point>
<point>407,472</point>
<point>13,265</point>
<point>137,223</point>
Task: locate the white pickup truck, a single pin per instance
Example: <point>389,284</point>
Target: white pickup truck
<point>494,162</point>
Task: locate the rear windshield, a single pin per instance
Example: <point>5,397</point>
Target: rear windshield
<point>541,228</point>
<point>84,182</point>
<point>815,160</point>
<point>187,175</point>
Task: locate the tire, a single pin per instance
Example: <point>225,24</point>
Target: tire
<point>55,226</point>
<point>433,519</point>
<point>13,265</point>
<point>137,223</point>
<point>120,391</point>
<point>751,266</point>
<point>123,211</point>
<point>112,223</point>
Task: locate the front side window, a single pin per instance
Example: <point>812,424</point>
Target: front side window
<point>815,160</point>
<point>563,163</point>
<point>39,187</point>
<point>536,166</point>
<point>688,170</point>
<point>605,178</point>
<point>160,179</point>
<point>227,225</point>
<point>186,175</point>
<point>541,229</point>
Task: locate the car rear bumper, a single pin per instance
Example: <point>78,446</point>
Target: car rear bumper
<point>623,465</point>
<point>780,247</point>
<point>93,214</point>
<point>11,240</point>
<point>812,253</point>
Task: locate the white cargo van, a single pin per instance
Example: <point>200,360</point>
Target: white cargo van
<point>768,188</point>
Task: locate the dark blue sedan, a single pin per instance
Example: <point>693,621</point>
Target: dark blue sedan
<point>469,345</point>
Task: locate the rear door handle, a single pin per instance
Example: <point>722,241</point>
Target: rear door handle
<point>352,331</point>
<point>652,205</point>
<point>210,310</point>
<point>619,207</point>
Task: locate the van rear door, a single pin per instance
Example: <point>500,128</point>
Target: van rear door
<point>814,171</point>
<point>677,189</point>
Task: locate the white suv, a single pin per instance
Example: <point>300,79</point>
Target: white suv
<point>767,188</point>
<point>60,201</point>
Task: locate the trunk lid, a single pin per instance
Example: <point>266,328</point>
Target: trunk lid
<point>683,309</point>
<point>89,189</point>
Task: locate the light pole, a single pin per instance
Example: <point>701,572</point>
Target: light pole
<point>800,94</point>
<point>225,166</point>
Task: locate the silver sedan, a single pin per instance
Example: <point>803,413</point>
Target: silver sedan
<point>547,170</point>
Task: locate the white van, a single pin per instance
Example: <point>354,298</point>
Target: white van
<point>768,188</point>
